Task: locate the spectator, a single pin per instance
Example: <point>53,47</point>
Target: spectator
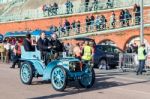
<point>78,26</point>
<point>136,10</point>
<point>67,25</point>
<point>87,5</point>
<point>101,22</point>
<point>55,8</point>
<point>17,55</point>
<point>122,19</point>
<point>45,9</point>
<point>98,22</point>
<point>7,47</point>
<point>95,5</point>
<point>87,20</point>
<point>92,23</point>
<point>74,26</point>
<point>49,7</point>
<point>61,30</point>
<point>128,49</point>
<point>135,48</point>
<point>67,47</point>
<point>113,20</point>
<point>69,7</point>
<point>104,21</point>
<point>127,17</point>
<point>109,4</point>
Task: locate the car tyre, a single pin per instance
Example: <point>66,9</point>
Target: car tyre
<point>58,78</point>
<point>88,78</point>
<point>26,73</point>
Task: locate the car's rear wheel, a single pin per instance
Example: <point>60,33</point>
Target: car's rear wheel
<point>26,73</point>
<point>58,78</point>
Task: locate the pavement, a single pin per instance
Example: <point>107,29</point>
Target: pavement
<point>110,84</point>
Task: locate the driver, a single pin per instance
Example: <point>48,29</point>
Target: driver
<point>44,46</point>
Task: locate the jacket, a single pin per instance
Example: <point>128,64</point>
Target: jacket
<point>43,45</point>
<point>27,45</point>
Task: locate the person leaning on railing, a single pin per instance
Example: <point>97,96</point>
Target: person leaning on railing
<point>136,11</point>
<point>109,4</point>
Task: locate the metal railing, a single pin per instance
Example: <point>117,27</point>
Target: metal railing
<point>77,8</point>
<point>83,28</point>
<point>129,62</point>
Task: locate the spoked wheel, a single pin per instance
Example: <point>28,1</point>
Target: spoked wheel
<point>58,78</point>
<point>88,78</point>
<point>26,73</point>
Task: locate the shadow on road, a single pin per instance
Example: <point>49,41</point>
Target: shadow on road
<point>100,83</point>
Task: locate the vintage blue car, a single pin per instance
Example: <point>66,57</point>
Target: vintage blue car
<point>59,71</point>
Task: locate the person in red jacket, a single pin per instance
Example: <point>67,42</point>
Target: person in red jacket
<point>17,55</point>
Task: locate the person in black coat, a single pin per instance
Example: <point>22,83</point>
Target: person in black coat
<point>27,43</point>
<point>57,46</point>
<point>44,45</point>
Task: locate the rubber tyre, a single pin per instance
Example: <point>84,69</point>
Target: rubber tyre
<point>85,77</point>
<point>58,78</point>
<point>26,73</point>
<point>103,61</point>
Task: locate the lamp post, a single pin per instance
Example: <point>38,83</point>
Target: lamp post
<point>142,23</point>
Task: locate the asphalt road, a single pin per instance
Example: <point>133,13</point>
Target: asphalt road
<point>111,84</point>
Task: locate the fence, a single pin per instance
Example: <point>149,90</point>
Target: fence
<point>129,62</point>
<point>85,29</point>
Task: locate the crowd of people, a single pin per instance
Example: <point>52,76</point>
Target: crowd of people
<point>98,22</point>
<point>50,9</point>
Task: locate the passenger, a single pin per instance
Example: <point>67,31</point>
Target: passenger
<point>27,43</point>
<point>87,52</point>
<point>44,46</point>
<point>17,55</point>
<point>77,51</point>
<point>57,46</point>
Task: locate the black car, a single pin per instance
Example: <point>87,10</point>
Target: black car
<point>105,56</point>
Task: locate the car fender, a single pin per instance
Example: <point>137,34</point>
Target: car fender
<point>48,69</point>
<point>37,65</point>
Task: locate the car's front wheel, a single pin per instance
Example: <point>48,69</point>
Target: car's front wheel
<point>58,78</point>
<point>88,78</point>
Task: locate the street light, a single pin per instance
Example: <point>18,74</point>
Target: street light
<point>142,23</point>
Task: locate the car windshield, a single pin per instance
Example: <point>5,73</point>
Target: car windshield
<point>109,48</point>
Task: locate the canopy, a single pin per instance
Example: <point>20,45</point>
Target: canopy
<point>38,32</point>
